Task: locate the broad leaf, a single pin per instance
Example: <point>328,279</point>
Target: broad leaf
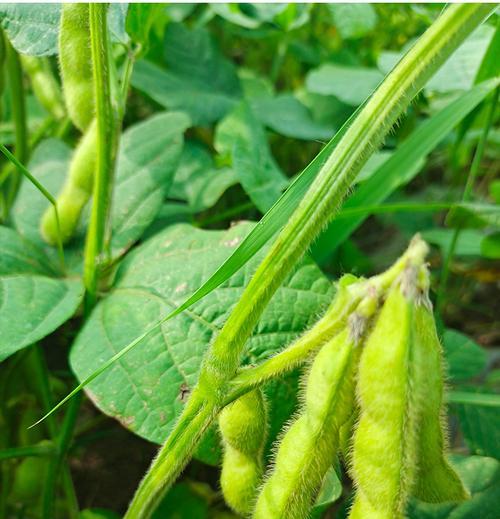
<point>286,115</point>
<point>480,425</point>
<point>149,155</point>
<point>468,243</point>
<point>490,246</point>
<point>482,477</point>
<point>241,136</point>
<point>465,359</point>
<point>146,389</point>
<point>459,72</point>
<point>33,302</point>
<point>31,28</point>
<point>197,181</point>
<point>198,80</point>
<point>49,164</point>
<point>352,85</point>
<point>353,20</point>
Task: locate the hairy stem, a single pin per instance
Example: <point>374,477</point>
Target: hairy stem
<point>317,207</point>
<point>105,153</point>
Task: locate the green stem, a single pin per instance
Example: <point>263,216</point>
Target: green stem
<point>318,206</point>
<point>24,452</point>
<point>466,194</point>
<point>40,375</point>
<point>57,463</point>
<point>106,141</point>
<point>18,107</point>
<point>125,81</point>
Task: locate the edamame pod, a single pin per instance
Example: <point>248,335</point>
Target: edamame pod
<point>385,445</point>
<point>76,64</point>
<point>243,426</point>
<point>76,191</point>
<point>437,481</point>
<point>44,84</point>
<point>309,446</point>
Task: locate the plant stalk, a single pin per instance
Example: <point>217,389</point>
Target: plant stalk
<point>18,107</point>
<point>106,146</point>
<point>318,206</point>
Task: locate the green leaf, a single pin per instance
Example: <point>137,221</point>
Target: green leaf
<point>31,28</point>
<point>199,80</point>
<point>233,14</point>
<point>460,71</point>
<point>33,302</point>
<point>490,246</point>
<point>286,115</point>
<point>468,243</point>
<point>399,169</point>
<point>352,85</point>
<point>241,136</point>
<point>146,389</point>
<point>183,502</point>
<point>474,215</point>
<point>465,359</point>
<point>353,20</point>
<point>98,513</point>
<point>148,157</point>
<point>481,476</point>
<point>49,164</point>
<point>117,15</point>
<point>197,181</point>
<point>140,20</point>
<point>494,186</point>
<point>480,426</point>
<point>331,489</point>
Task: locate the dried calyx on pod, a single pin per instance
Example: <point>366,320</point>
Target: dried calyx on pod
<point>243,426</point>
<point>399,442</point>
<point>309,446</point>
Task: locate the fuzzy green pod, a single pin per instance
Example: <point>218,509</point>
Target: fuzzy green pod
<point>309,446</point>
<point>437,481</point>
<point>384,446</point>
<point>76,191</point>
<point>243,426</point>
<point>44,84</point>
<point>76,63</point>
<point>398,443</point>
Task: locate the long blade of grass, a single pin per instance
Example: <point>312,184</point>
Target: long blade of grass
<point>483,399</point>
<point>399,168</point>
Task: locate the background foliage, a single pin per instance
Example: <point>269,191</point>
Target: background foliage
<point>228,103</point>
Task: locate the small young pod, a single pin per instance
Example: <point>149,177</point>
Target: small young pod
<point>44,85</point>
<point>75,193</point>
<point>437,481</point>
<point>76,63</point>
<point>309,446</point>
<point>243,427</point>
